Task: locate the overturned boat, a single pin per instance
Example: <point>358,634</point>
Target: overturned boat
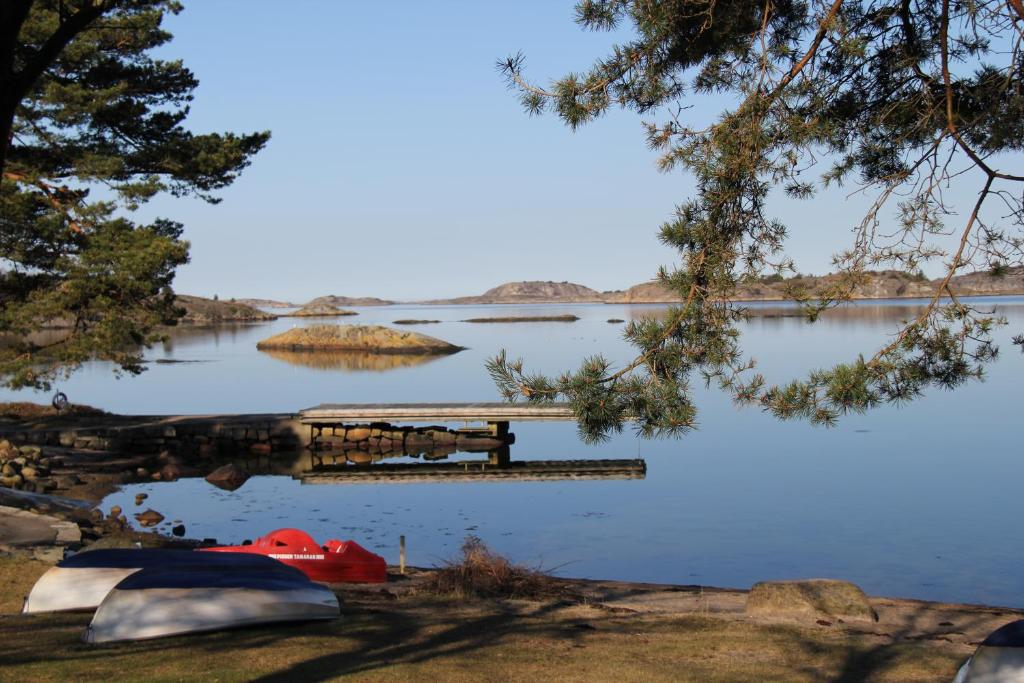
<point>153,603</point>
<point>334,562</point>
<point>82,581</point>
<point>999,658</point>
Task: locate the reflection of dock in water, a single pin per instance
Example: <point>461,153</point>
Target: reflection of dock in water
<point>336,433</point>
<point>476,470</point>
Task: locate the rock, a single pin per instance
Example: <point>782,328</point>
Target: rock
<point>142,473</point>
<point>139,497</point>
<point>371,338</point>
<point>31,451</point>
<point>415,442</point>
<point>357,434</point>
<point>178,530</point>
<point>149,518</point>
<point>6,448</point>
<point>311,310</point>
<point>229,477</point>
<point>8,470</point>
<point>173,472</point>
<point>20,461</point>
<point>115,512</point>
<point>170,458</point>
<point>66,481</point>
<point>809,599</point>
<point>442,438</point>
<point>12,481</point>
<point>29,473</point>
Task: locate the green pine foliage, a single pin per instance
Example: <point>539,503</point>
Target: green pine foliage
<point>92,127</point>
<point>896,99</point>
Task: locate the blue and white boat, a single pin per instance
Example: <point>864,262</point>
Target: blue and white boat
<point>82,581</point>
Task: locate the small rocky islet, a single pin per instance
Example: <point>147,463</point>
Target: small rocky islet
<point>320,310</point>
<point>360,338</point>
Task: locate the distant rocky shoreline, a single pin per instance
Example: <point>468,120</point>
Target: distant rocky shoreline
<point>888,284</point>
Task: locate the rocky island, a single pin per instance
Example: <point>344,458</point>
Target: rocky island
<point>358,338</point>
<point>321,310</point>
<point>200,311</point>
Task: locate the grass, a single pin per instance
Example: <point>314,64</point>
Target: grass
<point>387,637</point>
<point>24,410</point>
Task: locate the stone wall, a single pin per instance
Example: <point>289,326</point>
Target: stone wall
<point>383,438</point>
<point>200,435</point>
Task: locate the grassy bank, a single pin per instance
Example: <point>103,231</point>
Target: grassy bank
<point>400,634</point>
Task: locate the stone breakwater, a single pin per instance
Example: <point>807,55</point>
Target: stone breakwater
<point>381,438</point>
<point>202,435</point>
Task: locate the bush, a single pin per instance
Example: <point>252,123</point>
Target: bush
<point>479,572</point>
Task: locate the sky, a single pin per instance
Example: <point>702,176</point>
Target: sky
<point>400,165</point>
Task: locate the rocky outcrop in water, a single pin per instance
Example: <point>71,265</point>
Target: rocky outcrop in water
<point>335,300</point>
<point>370,338</point>
<point>367,338</point>
<point>319,311</point>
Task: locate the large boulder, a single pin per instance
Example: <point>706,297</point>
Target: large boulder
<point>369,338</point>
<point>810,599</point>
<point>228,477</point>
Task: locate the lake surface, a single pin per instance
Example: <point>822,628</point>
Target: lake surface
<point>922,501</point>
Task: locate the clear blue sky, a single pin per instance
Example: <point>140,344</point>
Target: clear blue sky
<point>401,167</point>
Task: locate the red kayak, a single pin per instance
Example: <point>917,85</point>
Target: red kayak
<point>335,562</point>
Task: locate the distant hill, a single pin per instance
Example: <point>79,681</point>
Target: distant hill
<point>886,284</point>
<point>342,301</point>
<point>531,291</point>
<point>200,311</point>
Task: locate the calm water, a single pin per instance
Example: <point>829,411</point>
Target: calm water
<point>920,501</point>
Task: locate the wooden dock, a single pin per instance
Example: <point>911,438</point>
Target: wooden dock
<point>333,413</point>
<point>476,470</point>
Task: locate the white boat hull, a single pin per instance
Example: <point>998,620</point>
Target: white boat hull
<point>159,612</point>
<point>63,590</point>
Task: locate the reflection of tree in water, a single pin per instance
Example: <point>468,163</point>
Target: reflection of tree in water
<point>184,336</point>
<point>351,361</point>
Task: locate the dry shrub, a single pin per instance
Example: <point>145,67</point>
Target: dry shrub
<point>479,572</point>
<point>24,410</point>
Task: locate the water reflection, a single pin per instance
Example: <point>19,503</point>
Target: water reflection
<point>349,361</point>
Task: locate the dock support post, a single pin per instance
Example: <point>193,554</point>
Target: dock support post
<point>498,429</point>
<point>500,457</point>
<point>401,554</point>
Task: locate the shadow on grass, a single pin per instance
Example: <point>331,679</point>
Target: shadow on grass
<point>916,642</point>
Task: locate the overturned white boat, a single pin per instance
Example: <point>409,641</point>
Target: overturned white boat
<point>82,581</point>
<point>999,658</point>
<point>154,603</point>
